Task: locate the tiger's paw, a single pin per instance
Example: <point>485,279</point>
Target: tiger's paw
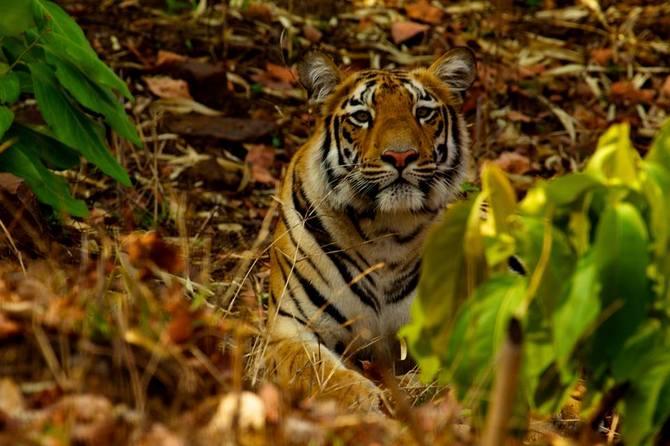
<point>352,390</point>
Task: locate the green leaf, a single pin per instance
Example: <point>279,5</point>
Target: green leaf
<point>10,88</point>
<point>660,148</point>
<point>615,160</point>
<point>622,258</point>
<point>48,188</point>
<point>479,331</point>
<point>577,311</point>
<point>570,188</point>
<point>644,362</point>
<point>66,40</point>
<point>96,99</point>
<point>16,17</point>
<point>447,280</point>
<point>500,196</point>
<point>6,119</point>
<point>70,125</point>
<point>39,145</point>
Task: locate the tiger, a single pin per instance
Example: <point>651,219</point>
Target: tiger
<point>389,151</point>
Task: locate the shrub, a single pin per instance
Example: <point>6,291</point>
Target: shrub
<point>594,302</point>
<point>44,53</point>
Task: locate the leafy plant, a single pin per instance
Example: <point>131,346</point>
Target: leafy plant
<point>44,53</point>
<point>594,302</point>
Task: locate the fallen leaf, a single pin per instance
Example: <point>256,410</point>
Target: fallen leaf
<point>90,419</point>
<point>8,327</point>
<point>403,31</point>
<point>272,401</point>
<point>665,89</point>
<point>276,76</point>
<point>159,435</point>
<point>261,158</point>
<point>517,116</point>
<point>258,11</point>
<point>246,408</point>
<point>602,56</point>
<point>423,11</point>
<point>146,250</point>
<point>169,58</point>
<point>10,183</point>
<point>626,91</point>
<point>166,87</point>
<point>229,129</point>
<point>513,162</point>
<point>180,327</point>
<point>312,34</point>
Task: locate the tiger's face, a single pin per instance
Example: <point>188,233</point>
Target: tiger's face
<point>393,141</point>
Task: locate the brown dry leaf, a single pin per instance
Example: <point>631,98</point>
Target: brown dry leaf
<point>261,158</point>
<point>180,327</point>
<point>258,11</point>
<point>517,116</point>
<point>626,91</point>
<point>8,327</point>
<point>602,56</point>
<point>90,418</point>
<point>10,182</point>
<point>167,87</point>
<point>271,397</point>
<point>148,249</point>
<point>169,58</point>
<point>229,129</point>
<point>665,89</point>
<point>277,77</point>
<point>312,34</point>
<point>158,434</point>
<point>424,12</point>
<point>512,162</point>
<point>402,31</point>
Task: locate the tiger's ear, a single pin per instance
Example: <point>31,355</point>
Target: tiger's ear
<point>457,68</point>
<point>319,75</point>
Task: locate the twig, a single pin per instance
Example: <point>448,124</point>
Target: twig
<point>504,388</point>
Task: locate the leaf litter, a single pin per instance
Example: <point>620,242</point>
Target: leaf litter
<point>116,312</point>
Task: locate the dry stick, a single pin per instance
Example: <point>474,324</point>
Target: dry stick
<point>504,388</point>
<point>245,266</point>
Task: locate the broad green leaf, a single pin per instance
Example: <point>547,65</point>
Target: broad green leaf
<point>66,40</point>
<point>655,181</point>
<point>660,148</point>
<point>644,362</point>
<point>43,146</point>
<point>479,331</point>
<point>48,188</point>
<point>6,119</point>
<point>96,99</point>
<point>577,311</point>
<point>500,197</point>
<point>622,257</point>
<point>16,17</point>
<point>446,280</point>
<point>10,88</point>
<point>570,188</point>
<point>615,160</point>
<point>70,125</point>
<point>419,342</point>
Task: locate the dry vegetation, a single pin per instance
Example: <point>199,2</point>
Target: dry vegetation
<point>110,334</point>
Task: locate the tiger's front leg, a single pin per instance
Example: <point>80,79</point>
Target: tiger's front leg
<point>308,369</point>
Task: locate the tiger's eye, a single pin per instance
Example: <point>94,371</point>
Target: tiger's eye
<point>362,116</point>
<point>423,112</point>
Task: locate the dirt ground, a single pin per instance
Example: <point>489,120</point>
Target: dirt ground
<point>139,324</point>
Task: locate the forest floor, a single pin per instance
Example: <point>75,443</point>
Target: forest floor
<point>138,325</point>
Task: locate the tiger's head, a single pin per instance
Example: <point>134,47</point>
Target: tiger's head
<point>391,141</point>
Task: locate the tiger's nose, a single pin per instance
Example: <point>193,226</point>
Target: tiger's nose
<point>400,159</point>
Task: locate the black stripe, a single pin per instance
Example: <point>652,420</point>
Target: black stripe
<point>454,132</point>
<point>402,239</point>
<point>302,322</point>
<point>301,254</point>
<point>405,285</point>
<point>319,301</point>
<point>337,255</point>
<point>285,279</point>
<point>338,143</point>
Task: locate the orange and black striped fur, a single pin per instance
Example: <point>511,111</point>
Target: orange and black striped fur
<point>388,153</point>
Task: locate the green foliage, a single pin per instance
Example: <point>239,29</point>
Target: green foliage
<point>594,304</point>
<point>44,53</point>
